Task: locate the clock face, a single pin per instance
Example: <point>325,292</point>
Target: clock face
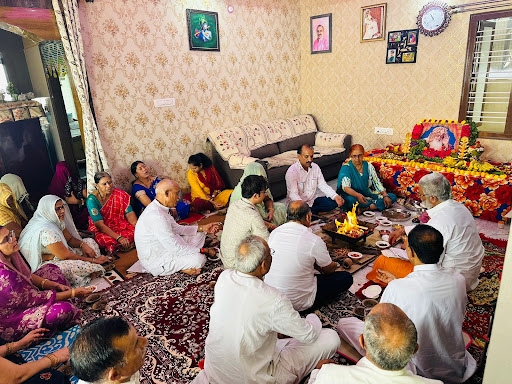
<point>433,18</point>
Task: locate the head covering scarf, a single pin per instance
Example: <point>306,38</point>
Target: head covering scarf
<point>45,218</point>
<point>9,214</point>
<point>16,185</point>
<point>59,180</point>
<point>251,169</point>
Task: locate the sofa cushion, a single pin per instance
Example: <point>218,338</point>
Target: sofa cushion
<point>294,142</point>
<point>265,151</point>
<point>325,139</point>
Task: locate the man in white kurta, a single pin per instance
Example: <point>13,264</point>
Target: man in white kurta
<point>163,246</point>
<point>243,218</point>
<point>434,299</point>
<point>245,319</point>
<point>304,180</point>
<point>296,252</point>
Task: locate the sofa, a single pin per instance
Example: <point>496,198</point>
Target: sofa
<point>274,144</point>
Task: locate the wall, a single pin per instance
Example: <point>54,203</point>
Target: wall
<point>353,90</point>
<point>135,54</point>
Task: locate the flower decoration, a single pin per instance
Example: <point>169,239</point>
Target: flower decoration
<point>407,143</point>
<point>463,146</point>
<point>417,131</point>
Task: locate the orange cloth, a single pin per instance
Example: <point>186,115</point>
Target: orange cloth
<point>398,267</point>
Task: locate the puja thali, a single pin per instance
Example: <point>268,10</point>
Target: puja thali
<point>396,214</point>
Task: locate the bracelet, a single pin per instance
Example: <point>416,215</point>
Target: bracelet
<point>9,348</point>
<point>42,283</point>
<point>200,228</point>
<point>118,237</point>
<point>81,243</point>
<point>270,209</point>
<point>54,360</point>
<point>72,293</point>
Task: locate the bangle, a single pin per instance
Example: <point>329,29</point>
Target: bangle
<point>81,243</point>
<point>118,237</point>
<point>200,228</point>
<point>42,283</point>
<point>54,360</point>
<point>270,209</point>
<point>72,293</point>
<point>9,348</point>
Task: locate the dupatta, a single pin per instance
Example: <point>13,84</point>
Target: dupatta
<point>211,179</point>
<point>358,182</point>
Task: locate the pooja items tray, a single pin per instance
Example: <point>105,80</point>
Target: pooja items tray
<point>396,214</point>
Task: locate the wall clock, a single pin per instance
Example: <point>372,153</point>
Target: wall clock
<point>433,18</point>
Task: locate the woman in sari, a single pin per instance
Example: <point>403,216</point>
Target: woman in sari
<point>272,212</point>
<point>358,182</point>
<point>32,300</point>
<point>112,219</point>
<point>50,238</point>
<point>20,193</point>
<point>71,190</point>
<point>144,191</point>
<point>206,186</point>
<point>11,215</point>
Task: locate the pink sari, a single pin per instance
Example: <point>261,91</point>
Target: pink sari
<point>23,307</point>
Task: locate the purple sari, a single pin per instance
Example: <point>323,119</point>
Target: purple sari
<point>24,307</point>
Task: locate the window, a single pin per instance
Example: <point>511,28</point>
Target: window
<point>3,76</point>
<point>486,94</point>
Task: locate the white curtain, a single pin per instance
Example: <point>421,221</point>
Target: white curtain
<point>68,22</point>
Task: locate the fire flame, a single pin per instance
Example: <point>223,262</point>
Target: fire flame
<point>349,225</point>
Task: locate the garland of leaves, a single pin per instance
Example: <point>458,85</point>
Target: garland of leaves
<point>474,132</point>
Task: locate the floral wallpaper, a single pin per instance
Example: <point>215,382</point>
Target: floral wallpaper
<point>136,53</point>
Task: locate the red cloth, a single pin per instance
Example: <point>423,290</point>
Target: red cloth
<point>211,179</point>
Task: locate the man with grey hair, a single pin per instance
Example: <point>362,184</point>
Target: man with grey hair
<point>245,320</point>
<point>462,244</point>
<point>165,247</point>
<point>389,339</point>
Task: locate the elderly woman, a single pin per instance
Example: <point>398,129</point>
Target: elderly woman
<point>112,219</point>
<point>11,215</point>
<point>32,300</point>
<point>49,237</point>
<point>358,182</point>
<point>144,191</point>
<point>206,186</point>
<point>272,212</point>
<point>20,192</point>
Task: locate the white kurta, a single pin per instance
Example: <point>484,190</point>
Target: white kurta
<point>242,344</point>
<point>435,300</point>
<point>242,219</point>
<point>463,247</point>
<point>296,250</point>
<point>365,372</point>
<point>303,185</point>
<point>165,247</point>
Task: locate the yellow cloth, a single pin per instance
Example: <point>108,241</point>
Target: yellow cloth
<point>200,191</point>
<point>8,214</point>
<point>398,267</point>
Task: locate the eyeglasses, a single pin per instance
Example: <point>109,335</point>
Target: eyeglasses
<point>58,209</point>
<point>272,251</point>
<point>9,238</point>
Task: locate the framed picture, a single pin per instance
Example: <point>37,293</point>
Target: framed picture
<point>203,30</point>
<point>402,46</point>
<point>373,22</point>
<point>321,33</point>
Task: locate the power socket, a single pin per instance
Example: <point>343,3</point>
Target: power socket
<point>383,131</point>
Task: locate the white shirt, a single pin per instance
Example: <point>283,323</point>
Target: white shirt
<point>463,247</point>
<point>435,299</point>
<point>303,185</point>
<point>245,318</point>
<point>242,220</point>
<point>135,379</point>
<point>296,250</point>
<point>160,242</point>
<point>364,372</point>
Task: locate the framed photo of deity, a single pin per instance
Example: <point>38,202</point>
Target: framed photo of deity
<point>203,30</point>
<point>321,33</point>
<point>373,22</point>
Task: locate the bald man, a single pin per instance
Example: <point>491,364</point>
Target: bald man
<point>390,339</point>
<point>165,247</point>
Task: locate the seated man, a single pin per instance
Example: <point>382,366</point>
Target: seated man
<point>462,244</point>
<point>245,319</point>
<point>243,218</point>
<point>434,299</point>
<point>108,350</point>
<point>389,339</point>
<point>165,247</point>
<point>304,177</point>
<point>297,252</point>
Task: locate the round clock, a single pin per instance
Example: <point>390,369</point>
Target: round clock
<point>433,18</point>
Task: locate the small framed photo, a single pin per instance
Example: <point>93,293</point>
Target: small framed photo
<point>395,37</point>
<point>203,30</point>
<point>391,56</point>
<point>373,22</point>
<point>321,33</point>
<point>402,46</point>
<point>412,38</point>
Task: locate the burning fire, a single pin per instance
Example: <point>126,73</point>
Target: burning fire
<point>349,226</point>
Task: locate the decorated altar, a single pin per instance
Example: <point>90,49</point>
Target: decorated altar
<point>451,148</point>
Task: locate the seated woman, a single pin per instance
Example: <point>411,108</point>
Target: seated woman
<point>48,237</point>
<point>20,193</point>
<point>112,219</point>
<point>206,186</point>
<point>143,191</point>
<point>15,370</point>
<point>73,191</point>
<point>274,213</point>
<point>358,182</point>
<point>11,215</point>
<point>33,300</point>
